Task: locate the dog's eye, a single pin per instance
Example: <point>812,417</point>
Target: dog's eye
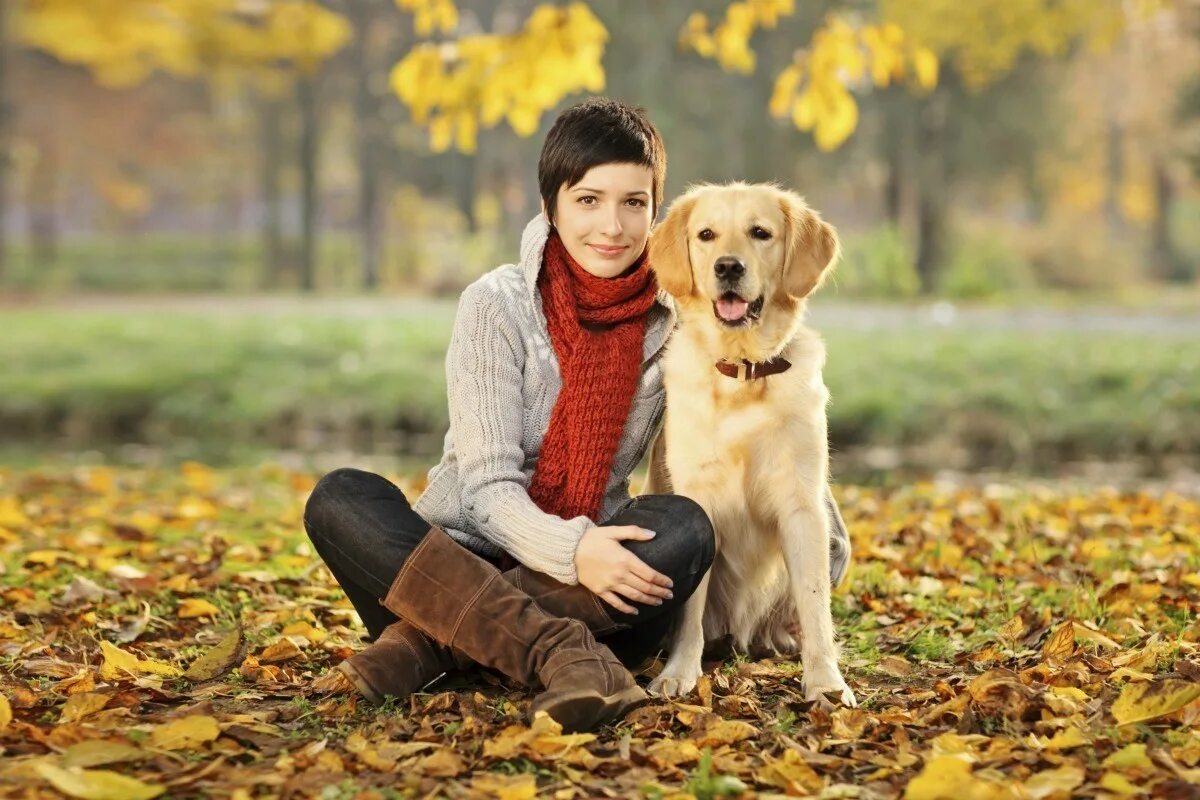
<point>760,233</point>
<point>707,235</point>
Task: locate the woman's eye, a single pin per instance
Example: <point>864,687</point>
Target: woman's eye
<point>637,203</point>
<point>760,233</point>
<point>588,199</point>
<point>707,235</point>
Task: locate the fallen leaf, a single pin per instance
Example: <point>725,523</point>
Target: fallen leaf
<point>1142,701</point>
<point>196,607</point>
<point>1053,784</point>
<point>444,763</point>
<point>283,650</point>
<point>97,784</point>
<point>79,706</point>
<point>218,659</point>
<point>119,664</point>
<point>1131,756</point>
<point>95,752</point>
<point>185,733</point>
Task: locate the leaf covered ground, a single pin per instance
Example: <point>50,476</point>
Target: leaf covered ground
<point>170,633</point>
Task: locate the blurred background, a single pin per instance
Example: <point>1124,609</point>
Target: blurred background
<point>235,230</point>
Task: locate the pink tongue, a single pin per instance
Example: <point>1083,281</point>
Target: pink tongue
<point>732,309</point>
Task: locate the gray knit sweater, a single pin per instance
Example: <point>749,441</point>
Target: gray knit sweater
<point>502,379</point>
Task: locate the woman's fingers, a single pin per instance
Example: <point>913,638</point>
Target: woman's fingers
<point>617,603</point>
<point>658,593</point>
<point>648,574</point>
<point>638,595</point>
<point>620,532</point>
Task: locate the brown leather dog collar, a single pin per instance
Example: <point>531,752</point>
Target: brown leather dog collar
<point>749,370</point>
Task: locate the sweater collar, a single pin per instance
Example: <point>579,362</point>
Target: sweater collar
<point>662,315</point>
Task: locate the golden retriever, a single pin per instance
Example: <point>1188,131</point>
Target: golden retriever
<point>745,434</point>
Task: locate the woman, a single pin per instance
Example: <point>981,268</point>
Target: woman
<point>555,392</point>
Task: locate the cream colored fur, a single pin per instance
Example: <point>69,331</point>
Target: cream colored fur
<point>754,454</point>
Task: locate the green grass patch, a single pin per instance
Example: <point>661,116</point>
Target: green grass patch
<point>221,386</point>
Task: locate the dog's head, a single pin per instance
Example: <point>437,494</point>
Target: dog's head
<point>741,247</point>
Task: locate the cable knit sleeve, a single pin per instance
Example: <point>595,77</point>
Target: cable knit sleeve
<point>484,373</point>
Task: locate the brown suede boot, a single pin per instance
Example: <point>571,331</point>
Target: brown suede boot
<point>462,601</point>
<point>401,661</point>
<point>404,660</point>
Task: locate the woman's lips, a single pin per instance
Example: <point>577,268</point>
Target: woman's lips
<point>608,252</point>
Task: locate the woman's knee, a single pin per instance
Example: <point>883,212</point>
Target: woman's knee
<point>685,543</point>
<point>331,493</point>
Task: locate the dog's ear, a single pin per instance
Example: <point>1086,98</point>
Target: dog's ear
<point>670,257</point>
<point>811,246</point>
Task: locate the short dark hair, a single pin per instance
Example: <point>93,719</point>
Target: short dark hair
<point>597,131</point>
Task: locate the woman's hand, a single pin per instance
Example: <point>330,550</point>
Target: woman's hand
<point>607,568</point>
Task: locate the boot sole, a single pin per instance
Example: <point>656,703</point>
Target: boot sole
<point>585,709</point>
<point>360,683</point>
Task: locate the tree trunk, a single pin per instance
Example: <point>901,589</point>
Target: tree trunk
<point>1116,171</point>
<point>1169,265</point>
<point>42,204</point>
<point>932,188</point>
<point>309,134</point>
<point>270,190</point>
<point>367,119</point>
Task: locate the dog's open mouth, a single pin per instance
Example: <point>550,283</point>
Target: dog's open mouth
<point>732,310</point>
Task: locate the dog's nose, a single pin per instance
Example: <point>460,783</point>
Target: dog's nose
<point>729,268</point>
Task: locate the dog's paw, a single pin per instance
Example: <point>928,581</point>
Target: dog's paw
<point>818,686</point>
<point>675,681</point>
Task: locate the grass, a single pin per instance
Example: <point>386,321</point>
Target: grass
<point>223,386</point>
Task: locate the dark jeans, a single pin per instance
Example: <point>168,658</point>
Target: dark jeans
<point>364,528</point>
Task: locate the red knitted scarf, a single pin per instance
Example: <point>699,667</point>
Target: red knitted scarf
<point>597,326</point>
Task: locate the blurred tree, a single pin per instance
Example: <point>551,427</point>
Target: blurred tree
<point>123,42</point>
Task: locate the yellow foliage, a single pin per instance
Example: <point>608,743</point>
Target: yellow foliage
<point>984,39</point>
<point>456,87</point>
<point>431,14</point>
<point>814,88</point>
<point>729,42</point>
<point>123,41</point>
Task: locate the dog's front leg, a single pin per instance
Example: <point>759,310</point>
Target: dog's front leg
<point>683,667</point>
<point>806,551</point>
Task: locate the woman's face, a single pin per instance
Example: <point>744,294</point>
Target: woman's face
<point>604,219</point>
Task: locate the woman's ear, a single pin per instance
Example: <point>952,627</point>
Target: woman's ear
<point>669,253</point>
<point>812,246</point>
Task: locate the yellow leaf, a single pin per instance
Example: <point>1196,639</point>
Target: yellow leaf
<point>79,706</point>
<point>118,664</point>
<point>948,778</point>
<point>1067,738</point>
<point>1131,756</point>
<point>5,712</point>
<point>925,65</point>
<point>791,774</point>
<point>506,787</point>
<point>195,508</point>
<point>94,752</point>
<point>726,731</point>
<point>1118,784</point>
<point>11,515</point>
<point>1061,644</point>
<point>1142,701</point>
<point>444,763</point>
<point>217,660</point>
<point>283,650</point>
<point>305,629</point>
<point>1052,784</point>
<point>186,733</point>
<point>96,784</point>
<point>196,607</point>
